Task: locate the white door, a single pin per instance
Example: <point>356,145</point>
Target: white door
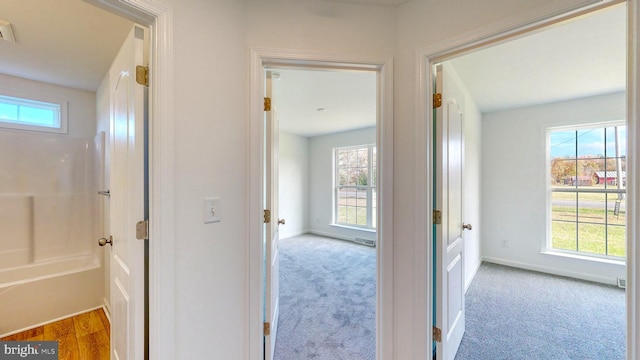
<point>127,200</point>
<point>271,228</point>
<point>449,240</point>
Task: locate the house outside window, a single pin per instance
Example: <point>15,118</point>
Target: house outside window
<point>587,188</point>
<point>355,186</point>
<point>33,114</point>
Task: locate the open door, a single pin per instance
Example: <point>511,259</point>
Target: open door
<point>449,150</point>
<point>272,260</point>
<point>127,197</point>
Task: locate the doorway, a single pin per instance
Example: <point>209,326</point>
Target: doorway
<point>326,121</point>
<point>542,255</point>
<point>262,61</point>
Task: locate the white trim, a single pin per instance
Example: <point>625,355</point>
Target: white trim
<point>259,57</point>
<point>159,19</point>
<point>551,270</point>
<point>507,29</point>
<point>294,234</point>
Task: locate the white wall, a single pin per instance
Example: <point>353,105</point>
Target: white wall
<point>210,49</point>
<point>293,162</point>
<point>321,182</point>
<point>472,129</point>
<point>514,184</point>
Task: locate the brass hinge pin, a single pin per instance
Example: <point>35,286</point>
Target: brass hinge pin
<point>267,104</point>
<point>142,75</point>
<point>437,100</point>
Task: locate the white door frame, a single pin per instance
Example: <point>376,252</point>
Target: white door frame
<point>509,28</point>
<point>259,58</point>
<point>161,169</point>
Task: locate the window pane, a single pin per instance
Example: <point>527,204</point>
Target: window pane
<point>563,144</point>
<point>374,197</point>
<point>38,116</point>
<point>563,172</point>
<point>616,240</point>
<point>591,238</point>
<point>342,214</point>
<point>616,209</point>
<point>586,170</point>
<point>591,142</point>
<point>592,207</point>
<point>610,133</point>
<point>563,206</point>
<point>563,235</point>
<point>8,112</point>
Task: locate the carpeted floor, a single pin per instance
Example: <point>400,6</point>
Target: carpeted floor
<point>327,300</point>
<point>519,314</point>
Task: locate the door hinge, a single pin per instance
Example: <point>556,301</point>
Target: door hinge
<point>267,329</point>
<point>267,216</point>
<point>267,104</point>
<point>142,230</point>
<point>437,334</point>
<point>437,100</point>
<point>437,217</point>
<point>142,75</point>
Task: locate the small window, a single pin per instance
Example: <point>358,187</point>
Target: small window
<point>588,180</point>
<point>355,186</point>
<point>26,114</point>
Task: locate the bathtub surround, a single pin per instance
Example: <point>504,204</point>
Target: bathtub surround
<point>48,222</point>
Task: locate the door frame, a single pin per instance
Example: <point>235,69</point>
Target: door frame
<point>383,64</point>
<point>161,284</point>
<point>508,29</point>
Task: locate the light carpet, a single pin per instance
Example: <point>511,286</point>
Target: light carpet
<point>327,300</point>
<point>519,314</point>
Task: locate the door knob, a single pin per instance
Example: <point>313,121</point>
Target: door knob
<point>466,227</point>
<point>105,241</point>
<point>281,221</point>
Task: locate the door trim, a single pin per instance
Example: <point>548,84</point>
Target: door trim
<point>259,58</point>
<point>159,19</point>
<point>500,31</point>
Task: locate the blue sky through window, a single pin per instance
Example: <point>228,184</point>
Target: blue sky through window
<point>598,141</point>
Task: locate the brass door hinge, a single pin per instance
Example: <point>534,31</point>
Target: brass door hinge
<point>437,334</point>
<point>437,100</point>
<point>142,75</point>
<point>267,104</point>
<point>437,217</point>
<point>142,230</point>
<point>267,329</point>
<point>267,216</point>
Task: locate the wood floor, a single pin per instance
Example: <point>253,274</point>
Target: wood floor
<point>81,337</point>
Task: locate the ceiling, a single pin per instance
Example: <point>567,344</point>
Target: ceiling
<point>373,2</point>
<point>64,42</point>
<point>584,57</point>
<point>347,97</point>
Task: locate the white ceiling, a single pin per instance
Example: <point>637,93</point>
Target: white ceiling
<point>373,2</point>
<point>63,42</point>
<point>583,57</point>
<point>349,98</point>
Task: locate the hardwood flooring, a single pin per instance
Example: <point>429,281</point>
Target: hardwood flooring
<point>81,337</point>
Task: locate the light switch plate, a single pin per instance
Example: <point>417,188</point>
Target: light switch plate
<point>211,210</point>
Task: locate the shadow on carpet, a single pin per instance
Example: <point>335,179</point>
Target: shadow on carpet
<point>327,300</point>
<point>519,314</point>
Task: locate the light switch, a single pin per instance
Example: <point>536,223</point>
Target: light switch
<point>211,210</point>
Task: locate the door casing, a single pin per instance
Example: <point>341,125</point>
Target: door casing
<point>259,59</point>
<point>501,31</point>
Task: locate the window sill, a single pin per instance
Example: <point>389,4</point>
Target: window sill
<point>584,257</point>
<point>373,231</point>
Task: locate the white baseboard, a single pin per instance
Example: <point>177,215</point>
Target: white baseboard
<point>50,321</point>
<point>297,233</point>
<point>332,235</point>
<point>107,310</point>
<point>475,271</point>
<point>552,271</point>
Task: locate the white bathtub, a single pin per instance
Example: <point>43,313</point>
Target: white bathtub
<point>40,293</point>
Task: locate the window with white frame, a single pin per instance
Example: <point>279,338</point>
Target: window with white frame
<point>32,114</point>
<point>588,179</point>
<point>355,186</point>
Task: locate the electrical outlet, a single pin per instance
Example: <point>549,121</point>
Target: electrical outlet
<point>211,210</point>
